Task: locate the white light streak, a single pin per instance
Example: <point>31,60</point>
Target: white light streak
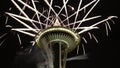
<point>84,20</point>
<point>83,50</point>
<point>66,12</point>
<point>24,29</point>
<point>3,35</point>
<point>106,29</point>
<point>49,10</point>
<point>23,18</point>
<point>56,14</point>
<point>6,20</point>
<point>3,41</point>
<point>64,6</point>
<point>33,43</point>
<point>72,8</point>
<point>80,57</point>
<point>24,32</point>
<point>95,38</point>
<point>57,6</point>
<point>112,21</point>
<point>19,39</point>
<point>77,12</point>
<point>63,15</point>
<point>89,11</point>
<point>37,14</point>
<point>108,25</point>
<point>23,13</point>
<point>33,9</point>
<point>80,9</point>
<point>78,50</point>
<point>86,29</point>
<point>50,6</point>
<point>23,23</point>
<point>90,35</point>
<point>110,17</point>
<point>84,39</point>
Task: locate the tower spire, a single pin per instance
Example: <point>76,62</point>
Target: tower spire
<point>57,22</point>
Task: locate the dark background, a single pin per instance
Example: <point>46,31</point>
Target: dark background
<point>102,55</point>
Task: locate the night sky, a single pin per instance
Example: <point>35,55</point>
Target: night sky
<point>101,55</point>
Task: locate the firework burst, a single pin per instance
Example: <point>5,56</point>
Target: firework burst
<point>34,18</point>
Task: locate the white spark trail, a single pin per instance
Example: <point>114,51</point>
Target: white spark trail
<point>49,11</point>
<point>56,14</point>
<point>106,29</point>
<point>91,8</point>
<point>80,10</point>
<point>66,12</point>
<point>23,13</point>
<point>23,8</point>
<point>90,35</point>
<point>77,12</point>
<point>87,19</point>
<point>37,13</point>
<point>95,38</point>
<point>36,1</point>
<point>33,9</point>
<point>6,21</point>
<point>108,25</point>
<point>19,39</point>
<point>23,23</point>
<point>63,15</point>
<point>57,6</point>
<point>84,10</point>
<point>87,29</point>
<point>72,8</point>
<point>27,33</point>
<point>112,21</point>
<point>48,24</point>
<point>23,18</point>
<point>88,12</point>
<point>10,8</point>
<point>30,51</point>
<point>84,39</point>
<point>3,35</point>
<point>64,6</point>
<point>3,41</point>
<point>32,42</point>
<point>110,17</point>
<point>33,16</point>
<point>91,27</point>
<point>78,50</point>
<point>80,57</point>
<point>50,6</point>
<point>24,29</point>
<point>84,52</point>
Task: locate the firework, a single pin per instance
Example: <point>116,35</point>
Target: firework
<point>56,21</point>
